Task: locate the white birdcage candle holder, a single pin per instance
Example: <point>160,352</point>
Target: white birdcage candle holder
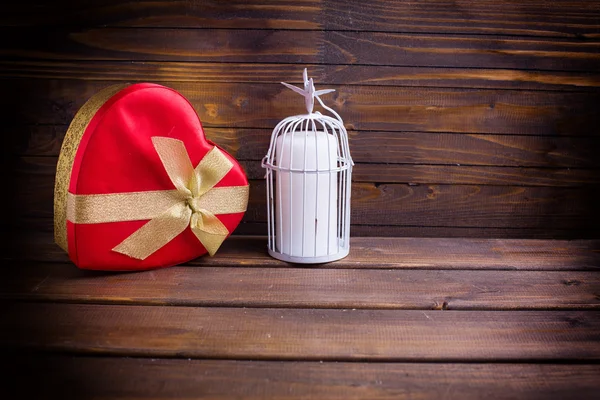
<point>309,174</point>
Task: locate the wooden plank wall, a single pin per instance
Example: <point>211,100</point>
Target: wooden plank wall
<point>467,118</point>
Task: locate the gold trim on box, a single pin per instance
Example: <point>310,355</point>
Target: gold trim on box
<point>67,158</point>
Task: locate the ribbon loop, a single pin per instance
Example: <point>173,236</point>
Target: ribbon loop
<point>213,167</point>
<point>176,162</point>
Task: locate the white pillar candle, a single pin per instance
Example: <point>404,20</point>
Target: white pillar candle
<point>306,212</point>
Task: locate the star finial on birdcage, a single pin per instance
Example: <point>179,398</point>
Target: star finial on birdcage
<point>308,92</point>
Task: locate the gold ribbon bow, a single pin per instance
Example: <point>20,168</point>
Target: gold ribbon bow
<point>194,203</point>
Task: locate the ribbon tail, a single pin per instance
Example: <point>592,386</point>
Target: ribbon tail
<point>156,233</point>
<point>209,230</point>
<point>210,241</point>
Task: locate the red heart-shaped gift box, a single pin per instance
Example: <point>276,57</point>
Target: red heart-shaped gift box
<point>111,149</point>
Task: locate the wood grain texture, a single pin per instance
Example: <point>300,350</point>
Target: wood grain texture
<point>308,288</point>
<point>415,174</point>
<point>302,334</point>
<point>279,14</point>
<point>469,175</point>
<point>373,253</point>
<point>174,71</point>
<point>292,46</point>
<point>391,204</point>
<point>18,224</point>
<point>379,147</point>
<point>468,205</point>
<point>260,228</point>
<point>376,108</point>
<point>407,157</point>
<point>446,50</point>
<point>531,18</point>
<point>75,377</point>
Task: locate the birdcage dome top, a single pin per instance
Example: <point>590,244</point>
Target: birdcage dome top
<point>313,122</point>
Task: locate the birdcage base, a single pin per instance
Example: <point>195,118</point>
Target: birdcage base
<point>310,260</point>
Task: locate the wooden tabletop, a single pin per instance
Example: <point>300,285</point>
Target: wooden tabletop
<point>398,318</point>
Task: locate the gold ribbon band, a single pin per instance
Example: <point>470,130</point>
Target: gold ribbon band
<point>194,203</point>
<point>117,207</point>
<point>136,206</point>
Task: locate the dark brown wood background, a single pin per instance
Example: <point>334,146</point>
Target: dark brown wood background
<point>466,118</point>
